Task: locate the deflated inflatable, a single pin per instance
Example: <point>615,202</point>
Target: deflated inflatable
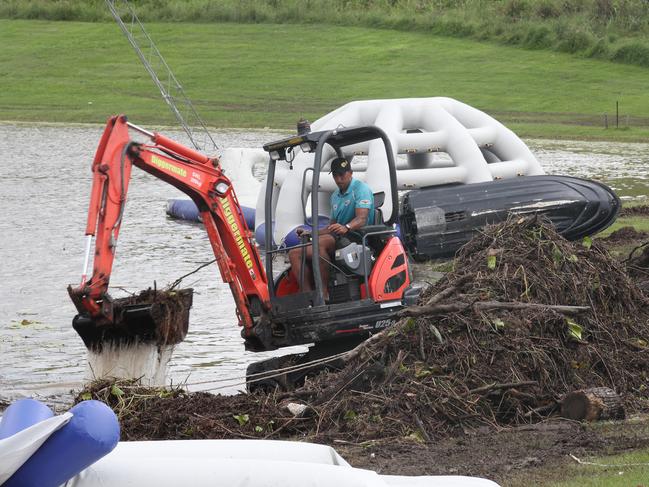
<point>436,222</point>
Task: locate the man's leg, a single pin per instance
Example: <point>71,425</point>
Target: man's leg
<point>327,249</point>
<point>295,258</point>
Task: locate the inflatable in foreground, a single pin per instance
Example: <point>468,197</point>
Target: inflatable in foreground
<point>38,449</point>
<point>80,449</point>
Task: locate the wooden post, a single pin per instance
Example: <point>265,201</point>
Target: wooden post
<point>598,403</point>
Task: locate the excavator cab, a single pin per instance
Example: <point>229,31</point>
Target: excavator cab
<point>369,279</point>
<point>352,265</point>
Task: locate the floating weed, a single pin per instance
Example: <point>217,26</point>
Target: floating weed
<point>25,323</point>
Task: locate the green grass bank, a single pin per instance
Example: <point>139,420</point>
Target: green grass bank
<point>243,75</point>
<point>616,30</point>
<point>612,466</point>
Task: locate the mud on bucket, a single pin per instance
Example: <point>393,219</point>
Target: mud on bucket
<point>152,316</point>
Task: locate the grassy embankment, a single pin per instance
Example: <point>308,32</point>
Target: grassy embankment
<point>242,75</point>
<point>623,470</point>
<point>630,468</point>
<point>616,30</point>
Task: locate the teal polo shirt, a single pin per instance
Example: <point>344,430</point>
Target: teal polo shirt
<point>343,205</point>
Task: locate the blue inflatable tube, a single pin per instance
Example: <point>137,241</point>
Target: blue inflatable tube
<point>184,209</point>
<point>92,432</point>
<point>21,415</point>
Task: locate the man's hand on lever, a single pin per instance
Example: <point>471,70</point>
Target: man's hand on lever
<point>304,234</point>
<point>338,229</point>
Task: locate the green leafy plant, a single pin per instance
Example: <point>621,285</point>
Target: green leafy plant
<point>116,391</point>
<point>574,329</point>
<point>242,419</point>
<point>350,415</point>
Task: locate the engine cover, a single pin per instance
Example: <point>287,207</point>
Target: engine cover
<point>353,256</point>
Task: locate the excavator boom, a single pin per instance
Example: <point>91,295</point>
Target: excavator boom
<point>193,173</point>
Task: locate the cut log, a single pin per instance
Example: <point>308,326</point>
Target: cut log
<point>598,403</point>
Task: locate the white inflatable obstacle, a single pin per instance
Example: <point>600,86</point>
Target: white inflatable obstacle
<point>436,141</point>
<point>239,165</point>
<point>440,141</point>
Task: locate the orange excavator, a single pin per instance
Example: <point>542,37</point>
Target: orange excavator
<point>369,280</point>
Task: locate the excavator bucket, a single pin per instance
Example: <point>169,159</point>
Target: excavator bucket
<point>152,316</point>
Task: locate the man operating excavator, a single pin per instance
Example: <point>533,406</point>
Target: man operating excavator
<point>352,207</point>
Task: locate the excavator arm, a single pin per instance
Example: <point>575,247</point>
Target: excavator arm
<point>193,173</point>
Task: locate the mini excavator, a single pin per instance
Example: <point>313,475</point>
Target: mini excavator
<point>369,283</point>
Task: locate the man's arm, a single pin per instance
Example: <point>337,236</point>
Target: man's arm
<point>323,231</point>
<point>363,204</point>
<point>360,220</point>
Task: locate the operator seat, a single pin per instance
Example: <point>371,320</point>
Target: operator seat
<point>379,199</point>
<point>376,242</point>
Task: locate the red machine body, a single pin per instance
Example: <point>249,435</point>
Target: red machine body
<point>197,176</point>
<point>272,315</point>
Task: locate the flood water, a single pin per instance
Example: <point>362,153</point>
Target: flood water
<point>44,190</point>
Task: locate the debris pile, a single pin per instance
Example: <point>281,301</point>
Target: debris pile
<point>524,318</point>
<point>626,234</point>
<point>637,265</point>
<point>161,316</point>
<point>637,210</point>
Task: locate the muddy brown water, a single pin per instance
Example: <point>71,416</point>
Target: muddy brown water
<point>44,191</point>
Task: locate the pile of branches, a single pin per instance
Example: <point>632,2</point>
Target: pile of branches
<point>637,266</point>
<point>149,413</point>
<point>523,318</point>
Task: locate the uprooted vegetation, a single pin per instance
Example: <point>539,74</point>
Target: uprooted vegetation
<point>523,318</point>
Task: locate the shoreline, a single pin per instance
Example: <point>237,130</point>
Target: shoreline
<point>536,94</point>
<point>521,134</point>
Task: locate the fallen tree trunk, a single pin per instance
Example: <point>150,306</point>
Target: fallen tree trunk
<point>598,403</point>
<point>438,309</point>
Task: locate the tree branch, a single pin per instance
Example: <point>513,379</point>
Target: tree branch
<point>440,309</point>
